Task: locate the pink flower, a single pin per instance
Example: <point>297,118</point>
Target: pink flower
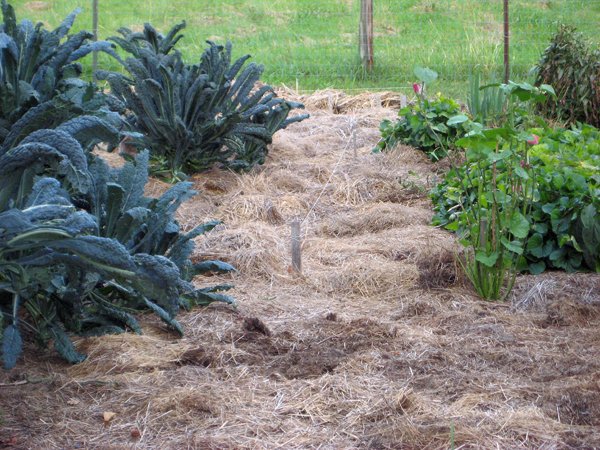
<point>417,88</point>
<point>535,140</point>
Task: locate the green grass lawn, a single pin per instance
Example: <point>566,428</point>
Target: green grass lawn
<point>312,44</point>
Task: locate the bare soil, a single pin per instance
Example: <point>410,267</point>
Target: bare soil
<point>378,344</point>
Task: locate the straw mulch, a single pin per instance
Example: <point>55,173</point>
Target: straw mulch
<point>379,343</point>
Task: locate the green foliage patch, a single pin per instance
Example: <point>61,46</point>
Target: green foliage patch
<point>431,125</point>
<point>40,76</point>
<point>563,215</point>
<point>195,116</point>
<point>82,249</point>
<point>572,66</point>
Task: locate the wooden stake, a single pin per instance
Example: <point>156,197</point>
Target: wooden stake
<point>296,246</point>
<point>354,143</point>
<point>95,32</point>
<point>506,43</point>
<point>403,101</point>
<point>365,34</point>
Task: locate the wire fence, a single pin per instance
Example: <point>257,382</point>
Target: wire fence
<point>313,44</point>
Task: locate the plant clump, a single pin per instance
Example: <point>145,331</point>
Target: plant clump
<point>572,66</point>
<point>432,125</point>
<point>193,116</point>
<point>553,180</point>
<point>40,76</point>
<point>82,249</point>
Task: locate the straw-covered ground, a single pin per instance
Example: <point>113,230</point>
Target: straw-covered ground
<point>379,343</point>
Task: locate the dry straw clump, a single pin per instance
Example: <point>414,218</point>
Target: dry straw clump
<point>337,102</point>
<point>374,218</point>
<point>365,276</point>
<point>272,209</point>
<point>256,249</point>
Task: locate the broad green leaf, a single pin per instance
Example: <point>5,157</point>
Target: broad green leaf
<point>535,245</point>
<point>487,259</point>
<point>425,74</point>
<point>521,173</point>
<point>546,88</point>
<point>458,119</point>
<point>537,268</point>
<point>513,246</point>
<point>519,225</point>
<point>499,156</point>
<point>588,217</point>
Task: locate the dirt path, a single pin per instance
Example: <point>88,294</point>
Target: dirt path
<point>378,344</point>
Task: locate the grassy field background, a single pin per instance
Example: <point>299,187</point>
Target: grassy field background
<point>312,44</point>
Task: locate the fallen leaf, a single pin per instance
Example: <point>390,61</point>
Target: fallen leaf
<point>108,416</point>
<point>73,402</point>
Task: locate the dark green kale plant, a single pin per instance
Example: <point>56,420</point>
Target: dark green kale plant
<point>193,116</point>
<point>82,249</point>
<point>40,76</point>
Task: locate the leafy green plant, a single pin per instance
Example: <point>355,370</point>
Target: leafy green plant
<point>494,227</point>
<point>194,116</point>
<point>40,76</point>
<point>568,164</point>
<point>564,167</point>
<point>148,226</point>
<point>432,125</point>
<point>485,103</point>
<point>38,244</point>
<point>587,235</point>
<point>83,250</point>
<point>572,66</point>
<point>489,199</point>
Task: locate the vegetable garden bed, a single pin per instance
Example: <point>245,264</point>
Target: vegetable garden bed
<point>379,343</point>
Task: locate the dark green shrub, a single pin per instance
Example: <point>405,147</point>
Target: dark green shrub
<point>82,249</point>
<point>47,259</point>
<point>572,66</point>
<point>193,116</point>
<point>587,235</point>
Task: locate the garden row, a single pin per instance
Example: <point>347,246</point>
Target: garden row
<point>82,249</point>
<point>523,194</point>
